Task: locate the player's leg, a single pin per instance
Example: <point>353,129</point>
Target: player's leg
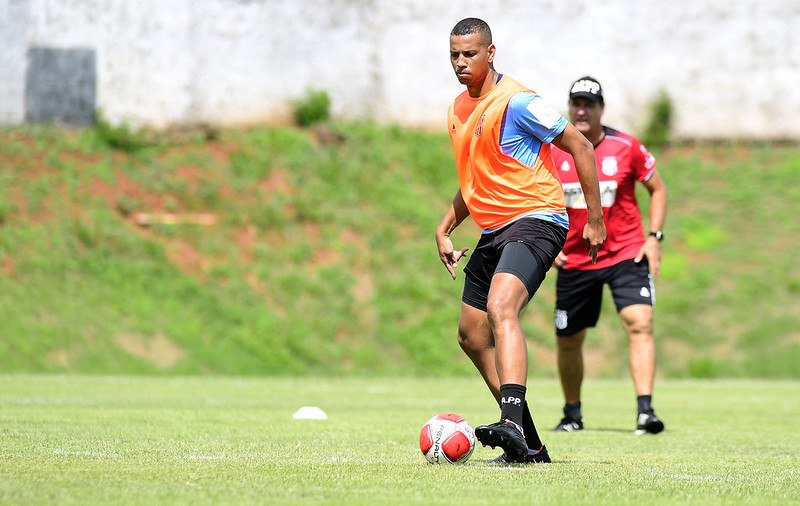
<point>569,353</point>
<point>638,323</point>
<point>516,279</point>
<point>578,302</point>
<point>569,357</point>
<point>476,340</point>
<point>632,288</point>
<point>637,320</point>
<point>507,296</point>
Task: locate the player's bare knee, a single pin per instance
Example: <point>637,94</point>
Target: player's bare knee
<point>463,340</point>
<point>471,343</point>
<point>500,312</point>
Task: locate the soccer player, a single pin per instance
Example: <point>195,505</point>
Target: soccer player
<point>626,263</point>
<point>501,134</point>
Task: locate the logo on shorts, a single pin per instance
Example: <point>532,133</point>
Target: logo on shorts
<point>644,292</point>
<point>561,319</point>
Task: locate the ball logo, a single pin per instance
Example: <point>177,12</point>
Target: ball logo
<point>437,444</point>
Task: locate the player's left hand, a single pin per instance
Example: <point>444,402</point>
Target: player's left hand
<point>652,250</point>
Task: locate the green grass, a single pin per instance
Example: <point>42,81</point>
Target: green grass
<point>322,259</point>
<point>153,440</point>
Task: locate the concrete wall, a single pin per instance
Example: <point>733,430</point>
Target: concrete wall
<point>732,68</point>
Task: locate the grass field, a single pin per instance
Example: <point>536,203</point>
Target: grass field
<point>322,262</point>
<point>147,440</point>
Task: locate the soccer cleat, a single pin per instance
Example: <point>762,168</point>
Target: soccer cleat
<point>538,457</point>
<point>648,423</point>
<point>505,434</point>
<point>568,424</point>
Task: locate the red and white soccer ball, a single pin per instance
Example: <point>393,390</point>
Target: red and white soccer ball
<point>447,439</point>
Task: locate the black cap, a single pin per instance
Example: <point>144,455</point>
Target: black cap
<point>587,87</point>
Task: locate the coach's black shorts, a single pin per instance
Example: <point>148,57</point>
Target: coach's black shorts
<point>579,293</point>
<point>525,248</point>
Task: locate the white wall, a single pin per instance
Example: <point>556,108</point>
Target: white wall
<point>732,68</point>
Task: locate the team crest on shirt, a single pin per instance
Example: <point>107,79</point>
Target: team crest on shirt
<point>609,166</point>
<point>479,127</point>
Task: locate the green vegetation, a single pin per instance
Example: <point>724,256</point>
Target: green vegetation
<point>656,132</point>
<point>121,136</point>
<point>137,440</point>
<point>312,108</point>
<point>281,251</point>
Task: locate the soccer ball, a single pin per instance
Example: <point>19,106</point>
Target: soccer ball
<point>447,439</point>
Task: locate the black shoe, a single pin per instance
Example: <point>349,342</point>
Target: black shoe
<point>505,434</point>
<point>648,423</point>
<point>540,457</point>
<point>568,424</point>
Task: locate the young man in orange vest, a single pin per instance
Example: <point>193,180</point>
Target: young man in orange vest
<point>501,134</point>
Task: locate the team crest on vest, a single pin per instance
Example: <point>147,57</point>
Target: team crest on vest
<point>609,166</point>
<point>479,127</point>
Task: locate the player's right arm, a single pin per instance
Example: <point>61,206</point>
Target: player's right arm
<point>457,212</point>
<point>574,143</point>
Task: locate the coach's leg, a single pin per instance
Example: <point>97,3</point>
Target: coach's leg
<point>476,340</point>
<point>637,320</point>
<point>569,351</point>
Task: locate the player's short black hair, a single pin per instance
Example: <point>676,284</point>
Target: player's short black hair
<point>469,26</point>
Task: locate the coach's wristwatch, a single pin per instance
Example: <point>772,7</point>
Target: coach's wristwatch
<point>658,235</point>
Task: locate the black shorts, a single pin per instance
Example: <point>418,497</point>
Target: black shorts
<point>534,245</point>
<point>579,293</point>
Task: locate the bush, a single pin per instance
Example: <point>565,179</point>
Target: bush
<point>656,133</point>
<point>312,108</point>
<point>120,137</point>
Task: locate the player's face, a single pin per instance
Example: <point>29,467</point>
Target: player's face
<point>471,59</point>
<point>585,114</point>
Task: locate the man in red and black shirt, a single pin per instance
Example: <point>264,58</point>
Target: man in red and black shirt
<point>627,262</point>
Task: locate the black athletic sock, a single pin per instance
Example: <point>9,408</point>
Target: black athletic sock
<point>512,400</point>
<point>643,401</point>
<point>531,436</point>
<point>573,410</point>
